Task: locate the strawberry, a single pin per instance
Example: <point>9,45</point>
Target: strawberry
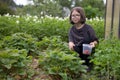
<point>86,52</point>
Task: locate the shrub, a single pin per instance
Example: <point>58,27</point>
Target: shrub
<point>57,60</point>
<point>44,26</point>
<point>106,59</point>
<point>14,64</point>
<point>4,9</point>
<point>20,41</point>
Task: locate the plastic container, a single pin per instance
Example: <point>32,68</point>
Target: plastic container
<point>87,49</point>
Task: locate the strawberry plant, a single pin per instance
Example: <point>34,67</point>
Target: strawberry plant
<point>57,60</point>
<point>106,59</point>
<point>21,41</point>
<point>14,63</point>
<point>43,26</point>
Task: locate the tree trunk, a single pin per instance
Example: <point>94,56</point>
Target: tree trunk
<point>112,19</point>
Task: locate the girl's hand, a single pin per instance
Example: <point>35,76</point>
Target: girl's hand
<point>71,44</point>
<point>93,44</point>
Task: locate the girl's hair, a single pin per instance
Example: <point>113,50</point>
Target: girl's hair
<point>82,15</point>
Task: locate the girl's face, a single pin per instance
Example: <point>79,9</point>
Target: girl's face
<point>75,17</point>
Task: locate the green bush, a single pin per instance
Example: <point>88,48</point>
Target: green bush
<point>46,26</point>
<point>8,26</point>
<point>14,63</point>
<point>59,61</point>
<point>20,41</point>
<point>24,35</point>
<point>91,12</point>
<point>4,9</point>
<point>106,59</point>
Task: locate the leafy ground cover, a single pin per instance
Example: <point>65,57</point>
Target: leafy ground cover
<point>33,48</point>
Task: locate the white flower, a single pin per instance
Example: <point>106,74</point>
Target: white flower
<point>17,22</point>
<point>7,15</point>
<point>90,19</point>
<point>34,20</point>
<point>17,16</point>
<point>35,17</point>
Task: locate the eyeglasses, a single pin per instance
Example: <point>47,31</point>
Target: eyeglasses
<point>76,15</point>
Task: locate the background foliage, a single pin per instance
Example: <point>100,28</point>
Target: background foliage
<point>53,7</point>
<point>44,26</point>
<point>106,59</point>
<point>25,38</point>
<point>5,7</point>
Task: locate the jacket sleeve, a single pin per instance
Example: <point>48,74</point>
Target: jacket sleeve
<point>70,35</point>
<point>92,35</point>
